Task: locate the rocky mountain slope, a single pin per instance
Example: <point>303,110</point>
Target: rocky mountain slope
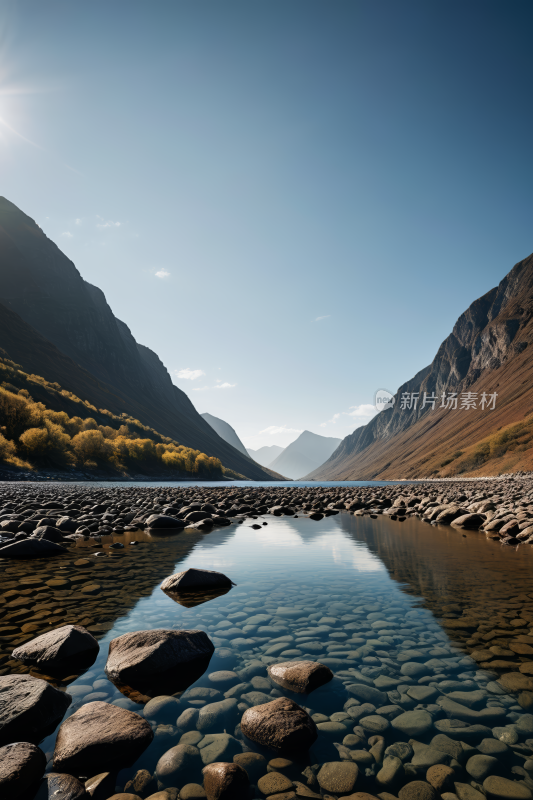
<point>56,310</point>
<point>304,454</point>
<point>265,455</point>
<point>487,352</point>
<point>226,432</point>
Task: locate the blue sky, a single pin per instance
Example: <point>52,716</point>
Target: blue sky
<point>290,201</point>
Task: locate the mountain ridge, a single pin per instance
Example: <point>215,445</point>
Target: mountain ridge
<point>485,352</point>
<point>266,454</point>
<point>46,291</point>
<point>225,431</point>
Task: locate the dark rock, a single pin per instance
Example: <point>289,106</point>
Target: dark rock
<point>196,579</point>
<point>218,747</point>
<point>21,765</point>
<point>441,778</point>
<point>29,708</point>
<point>163,709</point>
<point>49,533</point>
<point>59,647</point>
<point>100,735</point>
<point>101,786</point>
<point>197,516</point>
<point>470,521</point>
<point>274,783</point>
<point>300,676</point>
<point>254,764</point>
<point>142,784</point>
<point>192,791</point>
<point>55,786</point>
<point>148,657</point>
<point>32,548</point>
<point>338,777</point>
<point>216,716</point>
<point>226,782</point>
<point>179,765</point>
<point>280,724</point>
<point>162,521</point>
<point>417,790</point>
<point>497,788</point>
<point>187,720</point>
<point>67,525</point>
<point>368,694</point>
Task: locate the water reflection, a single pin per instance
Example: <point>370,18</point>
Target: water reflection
<point>391,609</point>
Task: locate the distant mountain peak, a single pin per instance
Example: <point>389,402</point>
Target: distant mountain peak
<point>309,448</point>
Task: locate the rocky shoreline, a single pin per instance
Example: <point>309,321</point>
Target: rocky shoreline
<point>416,731</point>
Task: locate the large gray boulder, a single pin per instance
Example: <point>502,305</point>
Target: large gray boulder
<point>163,521</point>
<point>60,647</point>
<point>31,548</point>
<point>141,656</point>
<point>281,725</point>
<point>196,579</point>
<point>49,533</point>
<point>100,736</point>
<point>21,765</point>
<point>67,524</point>
<point>29,708</point>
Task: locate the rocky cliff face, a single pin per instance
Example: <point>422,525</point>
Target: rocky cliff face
<point>44,288</point>
<point>487,344</point>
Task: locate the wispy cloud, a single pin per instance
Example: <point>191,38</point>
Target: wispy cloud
<point>77,221</point>
<point>326,316</point>
<point>67,235</point>
<point>331,421</point>
<point>216,386</point>
<point>107,224</point>
<point>360,414</point>
<point>273,430</point>
<point>163,273</point>
<point>189,374</point>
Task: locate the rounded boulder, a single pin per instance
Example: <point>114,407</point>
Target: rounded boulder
<point>280,724</point>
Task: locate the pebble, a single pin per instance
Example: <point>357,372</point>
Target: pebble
<point>386,657</point>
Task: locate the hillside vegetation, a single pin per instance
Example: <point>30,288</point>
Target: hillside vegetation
<point>43,425</point>
<point>510,449</point>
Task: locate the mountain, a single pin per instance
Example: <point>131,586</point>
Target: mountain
<point>487,352</point>
<point>226,432</point>
<point>99,357</point>
<point>265,455</point>
<point>306,453</point>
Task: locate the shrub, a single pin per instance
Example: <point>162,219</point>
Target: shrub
<point>90,445</point>
<point>39,432</point>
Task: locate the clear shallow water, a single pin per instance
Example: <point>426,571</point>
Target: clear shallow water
<point>363,596</point>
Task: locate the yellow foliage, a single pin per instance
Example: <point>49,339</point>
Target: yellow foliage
<point>90,445</point>
<point>39,432</point>
<point>8,449</point>
<point>35,441</point>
